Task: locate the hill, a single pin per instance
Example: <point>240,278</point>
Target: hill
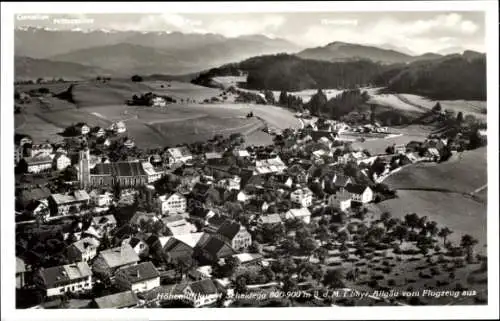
<point>292,73</point>
<point>451,77</point>
<point>342,51</point>
<point>30,68</point>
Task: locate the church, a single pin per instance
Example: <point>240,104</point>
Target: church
<point>126,174</point>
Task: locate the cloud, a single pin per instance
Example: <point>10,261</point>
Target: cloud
<point>245,26</point>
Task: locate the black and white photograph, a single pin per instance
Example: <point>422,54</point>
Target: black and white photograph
<point>243,158</point>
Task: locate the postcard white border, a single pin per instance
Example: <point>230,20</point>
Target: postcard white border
<point>7,177</point>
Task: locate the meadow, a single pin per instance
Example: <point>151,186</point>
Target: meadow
<point>463,174</point>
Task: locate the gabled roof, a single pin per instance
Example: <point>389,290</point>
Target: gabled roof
<point>299,212</point>
<point>119,169</point>
<point>118,300</point>
<point>57,275</point>
<point>229,229</point>
<point>119,256</point>
<point>105,219</point>
<point>204,287</point>
<point>138,273</point>
<point>356,188</point>
<point>270,219</point>
<point>86,243</point>
<point>216,247</point>
<point>341,180</point>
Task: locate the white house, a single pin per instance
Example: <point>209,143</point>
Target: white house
<point>232,183</point>
<point>179,155</point>
<point>57,280</point>
<point>302,196</point>
<point>153,174</point>
<point>61,161</point>
<point>360,193</point>
<point>341,199</point>
<point>101,200</point>
<point>129,143</point>
<point>173,203</point>
<point>243,196</point>
<point>138,278</point>
<point>38,164</point>
<point>83,250</point>
<point>299,213</point>
<point>159,102</point>
<point>271,165</point>
<point>118,127</point>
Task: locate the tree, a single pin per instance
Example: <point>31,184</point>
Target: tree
<point>389,150</point>
<point>400,232</point>
<point>412,220</point>
<point>437,107</point>
<point>422,222</point>
<point>255,247</point>
<point>460,117</point>
<point>431,228</point>
<point>385,217</point>
<point>334,278</point>
<point>136,78</point>
<point>444,233</point>
<point>468,242</point>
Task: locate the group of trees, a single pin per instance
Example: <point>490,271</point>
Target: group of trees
<point>341,105</point>
<point>290,101</point>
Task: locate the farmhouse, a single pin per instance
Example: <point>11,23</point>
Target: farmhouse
<point>82,128</point>
<point>159,102</point>
<point>341,199</point>
<point>58,280</point>
<point>153,174</point>
<point>101,199</point>
<point>138,278</point>
<point>108,261</point>
<point>201,293</point>
<point>235,234</point>
<point>360,193</point>
<point>140,247</point>
<point>177,225</point>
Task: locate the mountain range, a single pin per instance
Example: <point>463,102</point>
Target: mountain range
<point>341,51</point>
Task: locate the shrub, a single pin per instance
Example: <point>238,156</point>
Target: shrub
<point>136,78</point>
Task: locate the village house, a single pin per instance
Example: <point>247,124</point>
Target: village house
<point>432,154</point>
<point>270,219</point>
<point>138,278</point>
<point>97,131</point>
<point>234,234</point>
<point>213,158</point>
<point>400,149</point>
<point>41,150</point>
<point>204,195</point>
<point>101,199</point>
<point>82,128</point>
<point>139,216</point>
<point>243,196</point>
<point>211,249</point>
<point>159,102</point>
<point>152,173</point>
<point>57,280</point>
<point>360,193</point>
<point>302,196</point>
<point>108,261</point>
<point>341,199</point>
<point>140,246</point>
<point>246,259</point>
<point>177,225</point>
<point>61,161</point>
<point>302,214</point>
<point>172,204</point>
<point>121,300</point>
<point>339,180</point>
<point>83,250</point>
<point>179,155</point>
<point>201,293</point>
<point>31,195</point>
<point>172,250</point>
<point>36,165</point>
<point>129,143</point>
<point>103,224</point>
<point>271,165</point>
<point>257,205</point>
<point>39,209</point>
<point>241,153</point>
<point>118,127</point>
<point>232,183</point>
<point>20,273</point>
<point>63,204</point>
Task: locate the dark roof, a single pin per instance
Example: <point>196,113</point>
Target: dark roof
<point>119,169</point>
<point>57,275</point>
<point>216,220</point>
<point>356,188</point>
<point>201,188</point>
<point>341,180</point>
<point>229,229</point>
<point>37,193</point>
<point>204,287</point>
<point>140,272</point>
<point>134,241</point>
<point>217,247</point>
<point>118,300</point>
<point>175,245</point>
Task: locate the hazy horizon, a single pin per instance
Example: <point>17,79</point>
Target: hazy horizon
<point>408,32</point>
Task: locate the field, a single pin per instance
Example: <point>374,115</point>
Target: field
<point>409,133</point>
<point>461,174</point>
<point>393,101</point>
<point>100,104</point>
<point>473,107</point>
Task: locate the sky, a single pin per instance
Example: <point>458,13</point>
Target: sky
<point>410,32</point>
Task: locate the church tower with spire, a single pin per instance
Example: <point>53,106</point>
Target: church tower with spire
<point>84,167</point>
